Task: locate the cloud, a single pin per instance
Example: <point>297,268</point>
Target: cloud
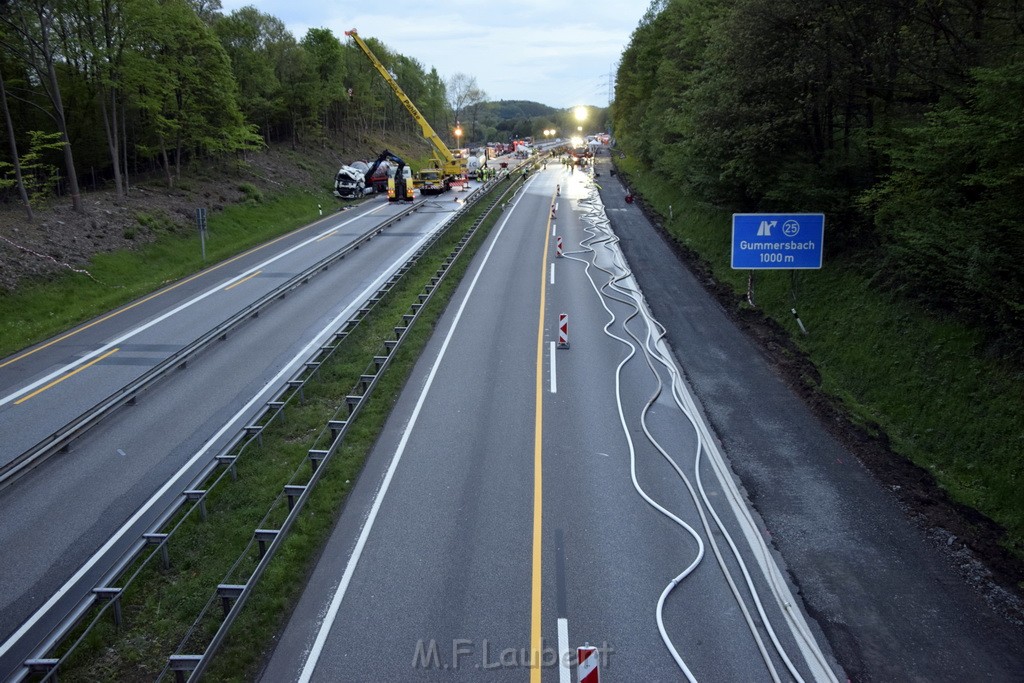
<point>556,52</point>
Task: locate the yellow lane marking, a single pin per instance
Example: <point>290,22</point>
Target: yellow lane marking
<point>154,295</point>
<point>538,438</point>
<point>332,233</point>
<point>57,381</point>
<point>244,279</point>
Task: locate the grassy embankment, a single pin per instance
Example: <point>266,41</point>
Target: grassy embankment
<point>924,380</point>
<point>39,310</point>
<point>42,309</point>
<point>160,608</point>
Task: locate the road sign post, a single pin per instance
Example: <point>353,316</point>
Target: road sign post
<point>777,241</point>
<point>201,222</point>
<point>774,241</point>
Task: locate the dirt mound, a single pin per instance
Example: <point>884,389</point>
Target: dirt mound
<point>62,239</point>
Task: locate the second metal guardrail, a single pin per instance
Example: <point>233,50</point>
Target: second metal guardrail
<point>62,437</point>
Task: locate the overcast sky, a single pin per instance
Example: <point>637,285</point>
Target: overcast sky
<point>556,52</point>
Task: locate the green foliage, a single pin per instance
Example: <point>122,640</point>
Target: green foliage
<point>951,208</point>
<point>180,82</point>
<point>511,119</point>
<point>157,222</point>
<point>856,110</point>
<point>7,179</point>
<point>916,376</point>
<point>41,309</point>
<point>255,42</point>
<point>38,172</point>
<point>519,109</point>
<point>184,85</point>
<point>251,192</point>
<point>162,604</point>
<point>914,146</point>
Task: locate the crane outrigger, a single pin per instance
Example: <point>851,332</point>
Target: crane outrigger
<point>445,170</point>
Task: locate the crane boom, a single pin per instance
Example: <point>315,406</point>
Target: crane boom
<point>447,162</point>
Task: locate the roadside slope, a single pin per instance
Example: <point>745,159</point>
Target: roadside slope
<point>891,603</point>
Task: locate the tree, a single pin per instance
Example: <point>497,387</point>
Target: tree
<point>185,88</point>
<point>435,101</point>
<point>327,63</point>
<point>13,143</point>
<point>29,36</point>
<point>463,92</point>
<point>98,33</point>
<point>950,210</point>
<point>253,42</point>
<point>207,10</point>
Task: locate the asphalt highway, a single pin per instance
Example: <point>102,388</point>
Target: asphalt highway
<point>891,603</point>
<point>66,522</point>
<point>514,508</point>
<point>45,387</point>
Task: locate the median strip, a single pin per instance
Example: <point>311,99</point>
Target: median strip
<point>227,548</point>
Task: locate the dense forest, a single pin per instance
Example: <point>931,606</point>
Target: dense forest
<point>152,84</point>
<point>900,119</point>
<point>119,88</point>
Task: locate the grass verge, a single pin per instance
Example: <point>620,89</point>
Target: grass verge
<point>42,309</point>
<point>924,381</point>
<point>162,605</point>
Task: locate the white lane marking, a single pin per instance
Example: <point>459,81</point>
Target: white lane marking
<point>552,273</point>
<point>806,641</point>
<point>553,226</point>
<point>270,385</point>
<point>339,593</point>
<point>564,675</point>
<point>554,375</point>
<point>142,328</point>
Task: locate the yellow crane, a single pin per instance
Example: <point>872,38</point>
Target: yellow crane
<point>445,169</point>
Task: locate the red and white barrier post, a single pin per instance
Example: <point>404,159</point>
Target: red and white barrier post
<point>552,210</point>
<point>588,668</point>
<point>558,246</point>
<point>563,330</point>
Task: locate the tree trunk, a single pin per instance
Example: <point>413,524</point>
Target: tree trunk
<point>110,127</point>
<point>58,109</point>
<point>14,152</point>
<point>167,163</point>
<point>124,146</point>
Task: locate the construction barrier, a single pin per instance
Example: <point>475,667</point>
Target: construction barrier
<point>563,330</point>
<point>588,669</point>
<point>558,246</point>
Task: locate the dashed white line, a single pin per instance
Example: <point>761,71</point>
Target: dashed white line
<point>552,273</point>
<point>564,674</point>
<point>554,374</point>
<point>191,302</point>
<point>232,422</point>
<point>339,593</point>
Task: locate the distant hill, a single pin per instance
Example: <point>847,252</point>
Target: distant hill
<point>509,119</point>
<point>518,109</point>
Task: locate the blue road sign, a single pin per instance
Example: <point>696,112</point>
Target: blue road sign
<point>777,240</point>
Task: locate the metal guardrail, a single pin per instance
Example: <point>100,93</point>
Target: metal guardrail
<point>273,409</point>
<point>62,438</point>
<point>298,494</point>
